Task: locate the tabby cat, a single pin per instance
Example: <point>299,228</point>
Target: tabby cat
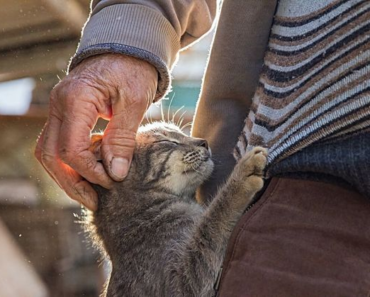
<point>161,242</point>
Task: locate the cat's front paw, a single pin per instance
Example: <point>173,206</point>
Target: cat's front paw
<point>251,168</point>
<point>254,162</point>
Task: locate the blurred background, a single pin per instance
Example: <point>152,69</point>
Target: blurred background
<point>44,251</point>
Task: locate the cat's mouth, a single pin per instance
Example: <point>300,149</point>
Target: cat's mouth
<point>193,168</point>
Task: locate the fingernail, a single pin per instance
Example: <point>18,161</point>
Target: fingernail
<point>119,167</point>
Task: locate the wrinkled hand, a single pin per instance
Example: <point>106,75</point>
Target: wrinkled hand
<point>115,87</point>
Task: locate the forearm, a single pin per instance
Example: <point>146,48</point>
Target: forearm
<point>190,19</point>
<point>152,30</point>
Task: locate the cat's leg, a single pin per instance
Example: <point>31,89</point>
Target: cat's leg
<point>202,257</point>
<point>244,182</point>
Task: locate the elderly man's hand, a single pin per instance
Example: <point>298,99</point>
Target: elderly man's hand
<point>115,87</point>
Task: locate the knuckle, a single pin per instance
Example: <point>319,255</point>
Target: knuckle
<point>119,138</point>
<point>89,164</point>
<point>69,103</point>
<point>65,90</point>
<point>67,151</point>
<point>66,155</point>
<point>72,192</point>
<point>79,191</point>
<point>46,158</point>
<point>69,97</point>
<point>75,190</point>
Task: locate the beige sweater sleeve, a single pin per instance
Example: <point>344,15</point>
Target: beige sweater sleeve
<point>152,30</point>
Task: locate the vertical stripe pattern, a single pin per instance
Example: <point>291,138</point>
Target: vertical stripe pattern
<point>315,84</point>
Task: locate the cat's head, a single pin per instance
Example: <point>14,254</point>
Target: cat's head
<point>166,158</point>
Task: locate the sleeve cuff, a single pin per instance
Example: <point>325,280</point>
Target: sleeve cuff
<point>133,30</point>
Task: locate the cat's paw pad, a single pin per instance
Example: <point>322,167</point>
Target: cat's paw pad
<point>252,167</point>
<point>254,162</point>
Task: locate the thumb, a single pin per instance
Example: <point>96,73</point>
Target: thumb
<point>118,143</point>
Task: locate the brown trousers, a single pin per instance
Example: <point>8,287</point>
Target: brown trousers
<point>301,239</point>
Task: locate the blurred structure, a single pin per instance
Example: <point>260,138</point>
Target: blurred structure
<point>37,39</point>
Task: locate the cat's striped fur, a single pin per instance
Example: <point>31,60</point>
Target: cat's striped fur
<point>160,240</point>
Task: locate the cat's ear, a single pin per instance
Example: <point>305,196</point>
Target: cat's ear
<point>95,146</point>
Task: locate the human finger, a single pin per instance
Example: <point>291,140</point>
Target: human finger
<point>68,179</point>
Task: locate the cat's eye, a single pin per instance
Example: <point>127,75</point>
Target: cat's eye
<point>166,141</point>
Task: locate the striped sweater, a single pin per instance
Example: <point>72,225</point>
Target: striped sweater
<point>315,83</point>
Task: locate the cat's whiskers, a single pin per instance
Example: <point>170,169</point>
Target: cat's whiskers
<point>181,119</point>
<point>174,115</point>
<point>188,124</point>
<point>195,168</point>
<point>162,112</point>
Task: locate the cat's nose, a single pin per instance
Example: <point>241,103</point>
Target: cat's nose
<point>201,142</point>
